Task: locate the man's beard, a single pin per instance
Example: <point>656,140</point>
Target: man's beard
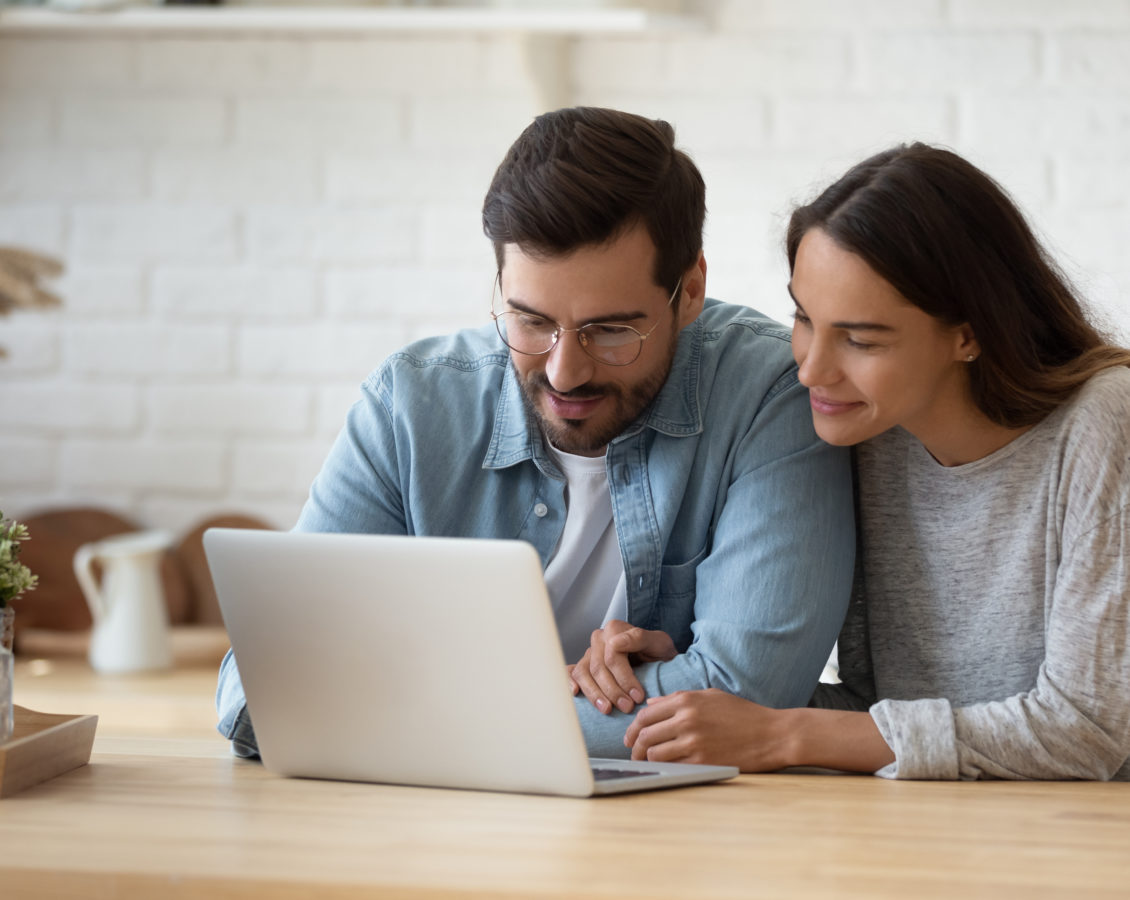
<point>584,437</point>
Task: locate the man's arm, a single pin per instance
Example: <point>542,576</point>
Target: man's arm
<point>356,491</point>
<point>772,592</point>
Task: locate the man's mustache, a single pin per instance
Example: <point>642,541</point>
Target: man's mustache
<point>581,392</point>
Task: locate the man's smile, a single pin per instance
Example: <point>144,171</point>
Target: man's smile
<point>571,406</point>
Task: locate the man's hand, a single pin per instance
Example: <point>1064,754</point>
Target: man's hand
<point>604,674</point>
<point>711,727</point>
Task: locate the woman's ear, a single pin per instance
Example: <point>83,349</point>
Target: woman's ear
<point>694,292</point>
<point>966,346</point>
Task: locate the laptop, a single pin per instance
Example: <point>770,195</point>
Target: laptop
<point>410,660</point>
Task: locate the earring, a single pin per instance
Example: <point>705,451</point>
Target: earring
<point>970,358</point>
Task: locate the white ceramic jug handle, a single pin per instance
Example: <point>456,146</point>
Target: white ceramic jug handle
<point>84,572</point>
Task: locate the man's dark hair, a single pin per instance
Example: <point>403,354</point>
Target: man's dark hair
<point>583,176</point>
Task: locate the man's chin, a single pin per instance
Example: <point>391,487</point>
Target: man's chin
<point>576,436</point>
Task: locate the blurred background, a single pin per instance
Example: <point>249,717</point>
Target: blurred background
<point>252,213</point>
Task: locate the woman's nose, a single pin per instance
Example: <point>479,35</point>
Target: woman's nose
<point>815,364</point>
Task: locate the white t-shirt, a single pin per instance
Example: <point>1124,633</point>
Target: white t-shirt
<point>585,575</point>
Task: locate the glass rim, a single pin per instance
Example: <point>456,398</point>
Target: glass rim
<point>587,346</point>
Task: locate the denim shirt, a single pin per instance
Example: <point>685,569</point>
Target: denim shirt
<point>734,520</point>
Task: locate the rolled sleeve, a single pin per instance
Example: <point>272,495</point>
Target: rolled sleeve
<point>231,706</point>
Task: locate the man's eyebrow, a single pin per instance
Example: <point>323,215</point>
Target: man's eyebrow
<point>845,325</point>
<point>610,319</point>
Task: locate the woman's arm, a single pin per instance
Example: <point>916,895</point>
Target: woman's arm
<point>715,727</point>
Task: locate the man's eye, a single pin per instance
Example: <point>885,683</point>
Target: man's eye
<point>532,323</point>
<point>598,330</point>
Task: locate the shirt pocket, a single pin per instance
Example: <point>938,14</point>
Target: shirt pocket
<point>676,598</point>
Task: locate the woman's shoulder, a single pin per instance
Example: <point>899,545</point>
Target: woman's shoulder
<point>1094,439</point>
<point>1103,401</point>
<point>1093,427</point>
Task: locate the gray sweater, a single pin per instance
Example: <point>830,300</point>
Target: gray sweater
<point>989,633</point>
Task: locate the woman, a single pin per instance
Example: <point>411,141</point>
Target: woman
<point>989,631</point>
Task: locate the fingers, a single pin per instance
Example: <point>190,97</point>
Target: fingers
<point>648,646</point>
<point>605,674</point>
<point>655,734</point>
<point>655,710</point>
<point>585,683</point>
<point>612,671</point>
<point>601,684</point>
<point>619,672</point>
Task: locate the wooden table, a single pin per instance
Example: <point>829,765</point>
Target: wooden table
<point>163,810</point>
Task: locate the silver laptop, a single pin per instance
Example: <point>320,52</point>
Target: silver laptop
<point>410,660</point>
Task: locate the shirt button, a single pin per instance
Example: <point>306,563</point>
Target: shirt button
<point>540,510</point>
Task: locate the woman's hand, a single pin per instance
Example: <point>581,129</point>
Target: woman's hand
<point>712,727</point>
<point>604,674</point>
<point>717,728</point>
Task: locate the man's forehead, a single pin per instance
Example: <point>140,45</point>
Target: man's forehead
<point>628,257</point>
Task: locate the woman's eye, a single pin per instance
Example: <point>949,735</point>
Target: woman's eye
<point>859,345</point>
<point>801,318</point>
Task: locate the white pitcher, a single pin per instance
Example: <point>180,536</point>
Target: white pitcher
<point>131,622</point>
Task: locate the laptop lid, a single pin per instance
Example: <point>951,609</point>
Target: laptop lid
<point>408,660</point>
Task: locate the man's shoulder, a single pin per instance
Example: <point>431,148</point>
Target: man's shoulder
<point>743,326</point>
<point>745,350</point>
<point>473,357</point>
<point>465,350</point>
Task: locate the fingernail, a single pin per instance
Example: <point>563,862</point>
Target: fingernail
<point>637,695</point>
<point>625,704</point>
<point>602,705</point>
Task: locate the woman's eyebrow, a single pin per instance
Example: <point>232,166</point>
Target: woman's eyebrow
<point>845,325</point>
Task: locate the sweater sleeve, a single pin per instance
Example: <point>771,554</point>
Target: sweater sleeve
<point>1075,721</point>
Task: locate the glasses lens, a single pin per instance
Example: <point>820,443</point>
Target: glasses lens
<point>616,345</point>
<point>525,333</point>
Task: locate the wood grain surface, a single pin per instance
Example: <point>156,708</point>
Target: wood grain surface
<point>170,813</point>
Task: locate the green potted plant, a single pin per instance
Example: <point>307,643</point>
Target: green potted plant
<point>15,578</point>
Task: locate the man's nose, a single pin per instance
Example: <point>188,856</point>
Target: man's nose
<point>567,366</point>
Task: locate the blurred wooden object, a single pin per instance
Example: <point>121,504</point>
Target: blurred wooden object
<point>190,556</point>
<point>57,602</point>
<point>42,746</point>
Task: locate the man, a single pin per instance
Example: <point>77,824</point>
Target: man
<point>654,447</point>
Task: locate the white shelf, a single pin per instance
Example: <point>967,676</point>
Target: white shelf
<point>342,20</point>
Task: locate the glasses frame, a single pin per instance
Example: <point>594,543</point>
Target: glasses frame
<point>579,331</point>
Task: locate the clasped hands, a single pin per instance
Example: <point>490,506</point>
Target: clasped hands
<point>605,673</point>
<point>707,726</point>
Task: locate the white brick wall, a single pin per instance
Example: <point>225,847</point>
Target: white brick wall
<point>251,223</point>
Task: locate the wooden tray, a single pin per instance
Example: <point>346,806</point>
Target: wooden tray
<point>43,746</point>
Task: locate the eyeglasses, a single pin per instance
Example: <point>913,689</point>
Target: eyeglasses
<point>606,342</point>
